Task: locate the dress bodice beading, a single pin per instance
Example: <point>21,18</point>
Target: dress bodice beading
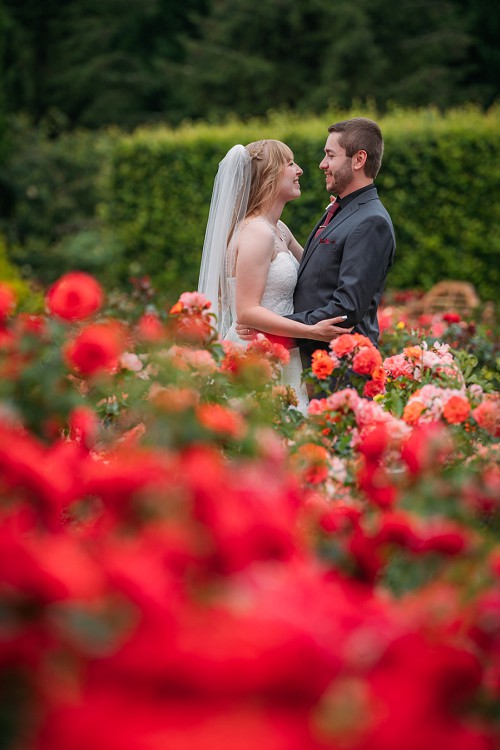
<point>280,285</point>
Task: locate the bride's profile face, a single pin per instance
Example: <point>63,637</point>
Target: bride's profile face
<point>289,187</point>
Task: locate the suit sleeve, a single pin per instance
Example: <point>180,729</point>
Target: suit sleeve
<point>367,256</point>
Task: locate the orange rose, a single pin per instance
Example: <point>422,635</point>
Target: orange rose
<point>457,410</point>
<point>413,352</point>
<point>173,399</point>
<point>220,420</point>
<point>322,364</point>
<point>412,412</point>
<point>312,461</point>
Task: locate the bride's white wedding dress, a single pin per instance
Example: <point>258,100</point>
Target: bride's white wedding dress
<point>278,297</point>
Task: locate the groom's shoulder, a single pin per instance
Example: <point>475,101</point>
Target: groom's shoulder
<point>370,202</point>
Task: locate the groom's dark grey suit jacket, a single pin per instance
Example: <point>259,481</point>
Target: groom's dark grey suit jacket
<point>343,270</point>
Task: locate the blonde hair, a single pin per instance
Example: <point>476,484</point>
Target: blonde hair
<point>268,161</point>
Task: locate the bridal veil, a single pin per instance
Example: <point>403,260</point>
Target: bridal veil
<point>227,208</point>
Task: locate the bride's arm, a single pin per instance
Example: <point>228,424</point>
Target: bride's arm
<point>255,252</point>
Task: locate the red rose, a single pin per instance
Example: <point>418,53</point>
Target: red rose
<point>84,426</point>
<point>447,540</point>
<point>75,296</point>
<point>7,301</point>
<point>96,348</point>
<point>452,317</point>
<point>427,446</point>
<point>374,442</point>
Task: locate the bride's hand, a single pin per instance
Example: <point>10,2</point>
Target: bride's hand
<point>245,333</point>
<point>326,330</point>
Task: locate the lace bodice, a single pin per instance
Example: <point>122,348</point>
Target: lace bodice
<point>281,279</point>
<point>280,285</point>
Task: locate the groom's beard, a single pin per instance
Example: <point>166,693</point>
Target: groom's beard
<point>342,178</point>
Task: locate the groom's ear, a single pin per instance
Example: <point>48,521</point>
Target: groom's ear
<point>359,159</point>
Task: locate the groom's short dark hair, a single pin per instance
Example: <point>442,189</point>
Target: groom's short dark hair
<point>361,134</point>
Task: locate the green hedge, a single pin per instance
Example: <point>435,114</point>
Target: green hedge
<point>438,180</point>
<point>51,188</point>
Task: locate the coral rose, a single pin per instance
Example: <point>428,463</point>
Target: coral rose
<point>487,415</point>
<point>220,420</point>
<point>75,296</point>
<point>366,360</point>
<point>322,364</point>
<point>412,411</point>
<point>456,410</point>
<point>311,461</point>
<point>150,328</point>
<point>344,344</point>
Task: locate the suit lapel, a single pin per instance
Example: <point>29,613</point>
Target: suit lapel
<point>313,242</point>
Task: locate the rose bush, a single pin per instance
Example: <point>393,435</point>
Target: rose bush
<point>186,561</point>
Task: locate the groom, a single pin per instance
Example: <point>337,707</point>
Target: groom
<point>350,250</point>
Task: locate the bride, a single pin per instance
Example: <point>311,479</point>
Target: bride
<point>250,258</point>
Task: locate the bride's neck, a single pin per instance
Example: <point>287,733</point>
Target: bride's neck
<point>272,212</point>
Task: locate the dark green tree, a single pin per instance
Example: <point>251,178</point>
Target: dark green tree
<point>250,58</point>
<point>96,62</point>
<point>481,74</point>
<point>92,63</point>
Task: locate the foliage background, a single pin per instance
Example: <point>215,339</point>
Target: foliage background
<point>114,115</point>
<point>92,63</point>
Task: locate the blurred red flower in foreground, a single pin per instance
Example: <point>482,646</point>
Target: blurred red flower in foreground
<point>221,420</point>
<point>150,328</point>
<point>7,301</point>
<point>96,348</point>
<point>75,296</point>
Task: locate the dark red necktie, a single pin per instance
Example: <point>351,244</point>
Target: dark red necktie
<point>332,210</point>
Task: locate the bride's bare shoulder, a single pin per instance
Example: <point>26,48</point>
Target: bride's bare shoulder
<point>255,230</point>
<point>255,225</point>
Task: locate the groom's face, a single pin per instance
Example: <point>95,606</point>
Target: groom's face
<point>336,166</point>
